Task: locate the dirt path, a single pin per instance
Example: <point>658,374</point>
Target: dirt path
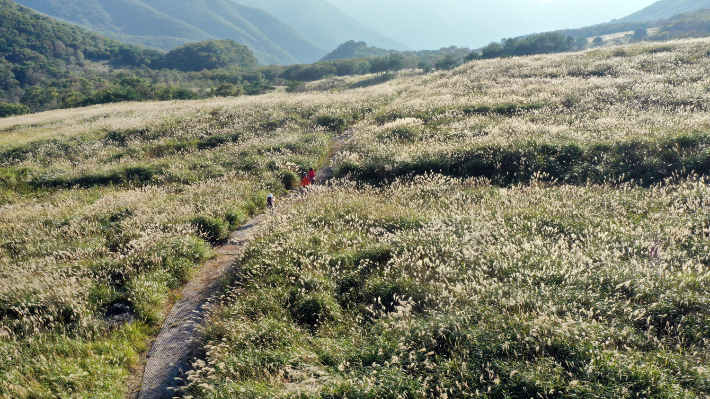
<point>177,343</point>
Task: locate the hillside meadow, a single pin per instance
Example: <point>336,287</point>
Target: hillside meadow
<point>514,228</point>
<point>517,228</point>
<point>117,205</point>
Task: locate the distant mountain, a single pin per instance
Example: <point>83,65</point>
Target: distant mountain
<point>166,24</point>
<point>322,23</point>
<point>664,9</point>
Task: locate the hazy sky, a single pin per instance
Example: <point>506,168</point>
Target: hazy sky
<point>430,24</point>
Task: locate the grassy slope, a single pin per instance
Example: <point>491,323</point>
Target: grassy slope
<point>497,283</point>
<point>118,204</point>
<point>428,286</point>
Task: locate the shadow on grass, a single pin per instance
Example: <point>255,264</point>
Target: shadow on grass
<point>373,81</point>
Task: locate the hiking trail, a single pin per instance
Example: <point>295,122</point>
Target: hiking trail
<point>177,345</point>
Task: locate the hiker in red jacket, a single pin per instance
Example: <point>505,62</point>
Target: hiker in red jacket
<point>305,181</point>
<point>312,175</point>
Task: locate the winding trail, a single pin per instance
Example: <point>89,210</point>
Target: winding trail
<point>177,344</point>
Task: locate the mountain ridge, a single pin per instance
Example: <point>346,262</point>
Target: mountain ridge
<point>167,24</point>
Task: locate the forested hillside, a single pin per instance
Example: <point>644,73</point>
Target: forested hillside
<point>167,24</point>
<point>46,64</point>
<point>690,24</point>
<point>36,52</point>
<point>664,9</point>
<point>687,24</point>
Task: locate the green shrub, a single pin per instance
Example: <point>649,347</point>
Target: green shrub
<point>7,109</point>
<point>332,123</point>
<point>148,293</point>
<point>289,180</point>
<point>313,309</point>
<point>235,218</point>
<point>388,293</point>
<point>229,90</point>
<point>213,229</point>
<point>179,271</point>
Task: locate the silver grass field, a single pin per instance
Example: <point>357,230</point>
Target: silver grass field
<point>515,228</point>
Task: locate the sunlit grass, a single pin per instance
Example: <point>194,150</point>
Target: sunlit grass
<point>446,287</point>
<point>119,205</point>
<point>574,264</point>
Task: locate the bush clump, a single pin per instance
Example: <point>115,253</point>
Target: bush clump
<point>332,123</point>
<point>7,109</point>
<point>314,309</point>
<point>289,180</point>
<point>215,230</point>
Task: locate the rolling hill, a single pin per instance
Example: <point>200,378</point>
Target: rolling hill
<point>664,9</point>
<point>166,24</point>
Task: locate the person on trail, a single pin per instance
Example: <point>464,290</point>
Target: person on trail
<point>270,201</point>
<point>312,175</point>
<point>305,181</point>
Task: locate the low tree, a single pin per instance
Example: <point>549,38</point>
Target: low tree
<point>390,63</point>
<point>425,67</point>
<point>640,34</point>
<point>473,55</point>
<point>598,41</point>
<point>293,86</point>
<point>448,62</point>
<point>581,43</point>
<point>7,109</point>
<point>229,90</point>
<point>492,50</point>
<point>258,87</point>
<point>395,62</point>
<point>378,65</point>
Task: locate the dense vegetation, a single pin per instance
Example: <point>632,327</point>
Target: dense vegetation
<point>47,64</point>
<point>38,51</point>
<point>426,59</point>
<point>692,24</point>
<point>215,54</point>
<point>544,43</point>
